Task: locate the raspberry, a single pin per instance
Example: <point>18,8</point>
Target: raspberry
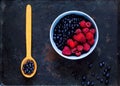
<point>86,47</point>
<point>73,50</point>
<point>85,30</point>
<point>79,47</point>
<point>92,31</point>
<point>78,31</point>
<point>77,53</point>
<point>91,42</point>
<point>88,24</point>
<point>89,36</point>
<point>80,37</point>
<point>82,23</point>
<point>71,43</point>
<point>66,51</point>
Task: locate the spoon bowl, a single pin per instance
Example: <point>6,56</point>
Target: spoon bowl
<point>35,67</point>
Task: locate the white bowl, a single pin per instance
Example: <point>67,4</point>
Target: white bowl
<point>58,50</point>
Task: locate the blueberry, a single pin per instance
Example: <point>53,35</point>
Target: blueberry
<point>92,83</point>
<point>90,66</point>
<point>97,77</point>
<point>84,78</point>
<point>93,74</point>
<point>107,75</point>
<point>82,83</point>
<point>100,64</point>
<point>105,70</point>
<point>57,37</point>
<point>101,80</point>
<point>109,68</point>
<point>104,73</point>
<point>106,82</point>
<point>88,83</point>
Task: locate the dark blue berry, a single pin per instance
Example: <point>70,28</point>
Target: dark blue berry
<point>98,77</point>
<point>106,82</point>
<point>101,80</point>
<point>88,83</point>
<point>90,66</point>
<point>109,68</point>
<point>93,74</point>
<point>84,77</point>
<point>92,83</point>
<point>107,75</point>
<point>100,64</point>
<point>82,83</point>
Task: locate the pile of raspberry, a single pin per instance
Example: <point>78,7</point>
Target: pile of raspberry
<point>81,41</point>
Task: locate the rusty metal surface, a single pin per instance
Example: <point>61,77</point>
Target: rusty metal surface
<point>52,68</point>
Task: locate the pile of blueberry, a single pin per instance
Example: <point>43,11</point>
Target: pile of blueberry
<point>28,67</point>
<point>102,77</point>
<point>65,29</point>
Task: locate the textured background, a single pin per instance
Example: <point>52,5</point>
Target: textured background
<point>52,68</point>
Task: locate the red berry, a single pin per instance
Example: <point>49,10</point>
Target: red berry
<point>77,53</point>
<point>82,23</point>
<point>88,24</point>
<point>79,47</point>
<point>66,51</point>
<point>86,47</point>
<point>85,30</point>
<point>73,50</point>
<point>92,31</point>
<point>91,42</point>
<point>80,37</point>
<point>78,31</point>
<point>71,43</point>
<point>89,36</point>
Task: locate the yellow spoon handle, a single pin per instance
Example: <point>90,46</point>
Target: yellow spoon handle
<point>28,29</point>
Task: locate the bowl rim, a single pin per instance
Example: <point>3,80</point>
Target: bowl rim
<point>57,20</point>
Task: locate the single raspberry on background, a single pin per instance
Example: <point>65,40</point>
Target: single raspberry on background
<point>92,31</point>
<point>91,42</point>
<point>89,36</point>
<point>88,24</point>
<point>85,30</point>
<point>80,37</point>
<point>66,51</point>
<point>73,50</point>
<point>71,43</point>
<point>79,47</point>
<point>82,23</point>
<point>86,47</point>
<point>78,31</point>
<point>77,53</point>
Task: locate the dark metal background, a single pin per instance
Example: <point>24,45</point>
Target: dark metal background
<point>52,68</point>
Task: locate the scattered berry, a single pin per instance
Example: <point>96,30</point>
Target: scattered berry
<point>101,80</point>
<point>66,51</point>
<point>107,75</point>
<point>90,66</point>
<point>84,78</point>
<point>106,82</point>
